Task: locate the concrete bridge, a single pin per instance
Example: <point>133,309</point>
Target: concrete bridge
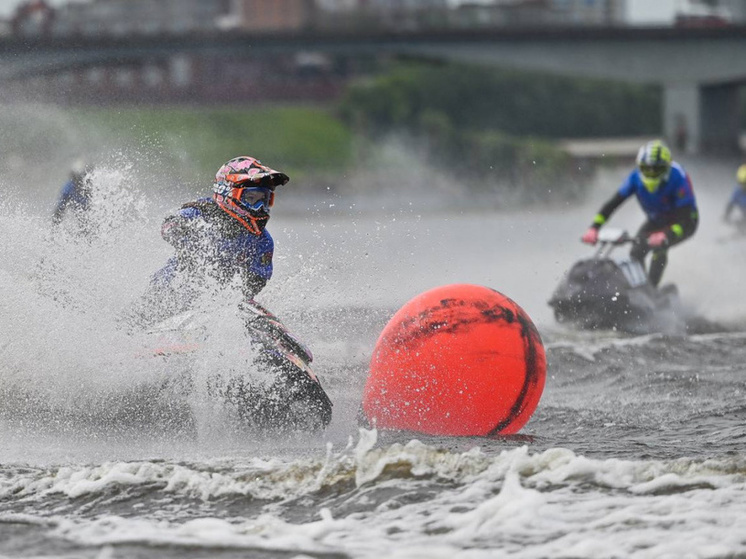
<point>700,70</point>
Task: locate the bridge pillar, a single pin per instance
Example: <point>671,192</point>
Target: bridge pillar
<point>682,117</point>
<point>701,119</point>
<point>720,119</point>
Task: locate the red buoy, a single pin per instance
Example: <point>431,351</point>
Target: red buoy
<point>456,360</point>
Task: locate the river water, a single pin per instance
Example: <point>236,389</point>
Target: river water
<point>637,447</point>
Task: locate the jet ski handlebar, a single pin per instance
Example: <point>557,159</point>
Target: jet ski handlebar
<point>609,238</point>
<point>614,237</point>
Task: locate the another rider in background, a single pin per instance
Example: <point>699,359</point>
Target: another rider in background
<point>738,199</point>
<point>664,191</point>
<point>219,238</point>
<point>75,197</point>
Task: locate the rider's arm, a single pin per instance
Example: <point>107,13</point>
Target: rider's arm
<point>684,223</point>
<point>65,198</point>
<point>730,205</point>
<point>256,264</point>
<point>252,284</point>
<point>684,217</point>
<point>625,191</point>
<point>178,229</point>
<point>728,209</point>
<point>607,209</point>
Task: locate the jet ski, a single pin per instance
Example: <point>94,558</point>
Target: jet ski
<point>279,393</point>
<point>611,292</point>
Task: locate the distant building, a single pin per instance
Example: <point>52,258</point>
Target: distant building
<point>591,12</point>
<point>119,18</point>
<point>737,9</point>
<point>33,18</point>
<point>272,15</point>
<point>409,14</point>
<point>536,13</point>
<point>698,13</point>
<point>223,76</point>
<point>180,76</point>
<point>396,15</point>
<point>123,18</point>
<point>337,5</point>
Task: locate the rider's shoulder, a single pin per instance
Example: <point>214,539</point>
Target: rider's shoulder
<point>68,189</point>
<point>677,170</point>
<point>678,175</point>
<point>264,238</point>
<point>631,181</point>
<point>255,244</point>
<point>201,207</point>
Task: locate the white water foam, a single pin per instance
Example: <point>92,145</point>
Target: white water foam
<point>553,503</point>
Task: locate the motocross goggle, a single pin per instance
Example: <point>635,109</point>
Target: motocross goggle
<point>254,198</point>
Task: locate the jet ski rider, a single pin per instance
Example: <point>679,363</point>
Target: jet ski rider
<point>218,238</point>
<point>738,200</point>
<point>664,191</point>
<point>75,196</point>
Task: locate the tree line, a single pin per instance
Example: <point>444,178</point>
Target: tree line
<point>501,125</point>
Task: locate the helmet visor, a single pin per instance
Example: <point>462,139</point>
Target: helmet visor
<point>266,179</point>
<point>255,198</point>
<point>653,171</point>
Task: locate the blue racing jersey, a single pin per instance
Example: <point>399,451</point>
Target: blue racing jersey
<point>738,198</point>
<point>75,194</point>
<point>674,193</point>
<point>210,242</point>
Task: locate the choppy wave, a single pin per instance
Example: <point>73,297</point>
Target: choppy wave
<point>404,499</point>
<point>636,448</point>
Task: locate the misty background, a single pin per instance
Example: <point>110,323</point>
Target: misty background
<point>640,11</point>
<point>405,173</point>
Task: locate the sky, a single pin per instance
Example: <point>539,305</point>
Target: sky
<point>639,11</point>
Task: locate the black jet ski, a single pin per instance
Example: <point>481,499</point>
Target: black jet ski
<point>281,392</point>
<point>605,292</point>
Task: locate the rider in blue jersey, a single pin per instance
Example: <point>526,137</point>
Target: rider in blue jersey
<point>664,191</point>
<point>219,239</point>
<point>75,197</point>
<point>738,200</point>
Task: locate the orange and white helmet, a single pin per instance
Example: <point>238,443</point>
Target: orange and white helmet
<point>245,190</point>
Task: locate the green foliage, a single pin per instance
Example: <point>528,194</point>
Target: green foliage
<point>300,141</point>
<point>518,103</point>
<point>488,120</point>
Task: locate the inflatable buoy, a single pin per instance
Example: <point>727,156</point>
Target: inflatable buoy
<point>456,360</point>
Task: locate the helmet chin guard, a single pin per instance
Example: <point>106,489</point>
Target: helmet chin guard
<point>254,223</point>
